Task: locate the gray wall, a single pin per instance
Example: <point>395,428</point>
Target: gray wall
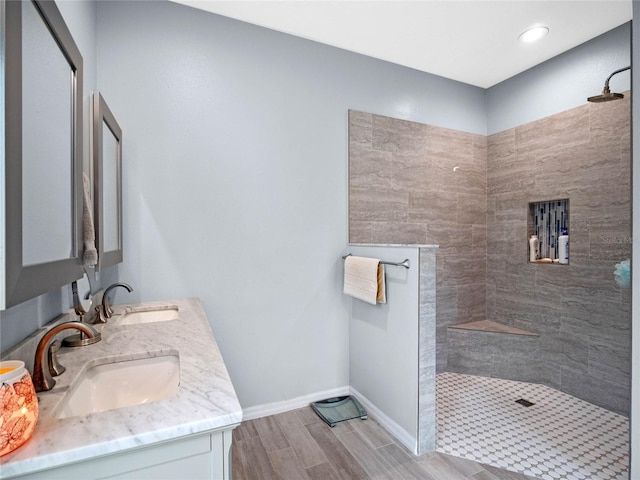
<point>235,172</point>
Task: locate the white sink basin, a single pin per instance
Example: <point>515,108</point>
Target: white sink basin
<point>135,317</point>
<point>121,384</point>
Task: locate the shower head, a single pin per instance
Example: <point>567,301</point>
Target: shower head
<point>606,95</point>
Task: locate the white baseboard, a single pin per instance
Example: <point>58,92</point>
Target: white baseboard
<point>259,411</point>
<point>267,409</point>
<point>404,437</point>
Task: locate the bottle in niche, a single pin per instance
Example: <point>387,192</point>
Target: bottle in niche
<point>563,247</point>
<point>534,246</point>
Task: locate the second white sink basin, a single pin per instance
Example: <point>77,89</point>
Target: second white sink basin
<point>121,384</point>
<point>148,315</point>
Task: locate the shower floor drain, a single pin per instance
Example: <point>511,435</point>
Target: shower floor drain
<point>524,402</point>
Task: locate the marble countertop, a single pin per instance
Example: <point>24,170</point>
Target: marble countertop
<point>206,399</point>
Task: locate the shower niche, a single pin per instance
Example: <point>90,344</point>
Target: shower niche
<point>548,221</point>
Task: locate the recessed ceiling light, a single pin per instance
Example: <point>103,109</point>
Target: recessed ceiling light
<point>532,34</point>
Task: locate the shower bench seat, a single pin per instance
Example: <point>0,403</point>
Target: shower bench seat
<point>490,326</point>
<point>493,349</point>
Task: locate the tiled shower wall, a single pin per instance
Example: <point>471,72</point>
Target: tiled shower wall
<point>412,183</point>
<point>583,317</point>
<point>415,183</point>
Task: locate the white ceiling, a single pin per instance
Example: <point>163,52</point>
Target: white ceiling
<point>472,41</point>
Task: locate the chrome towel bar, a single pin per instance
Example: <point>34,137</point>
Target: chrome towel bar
<point>404,264</point>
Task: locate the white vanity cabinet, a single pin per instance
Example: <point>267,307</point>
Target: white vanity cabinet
<point>202,456</point>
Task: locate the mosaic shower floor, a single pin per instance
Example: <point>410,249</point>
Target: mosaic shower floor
<point>559,437</point>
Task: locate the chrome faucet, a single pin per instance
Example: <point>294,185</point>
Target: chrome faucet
<point>42,378</point>
<point>107,311</point>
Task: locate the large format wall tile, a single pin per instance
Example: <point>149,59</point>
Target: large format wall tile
<point>394,135</point>
<point>446,314</point>
<point>431,206</point>
<point>414,172</point>
<point>360,128</point>
<point>593,207</point>
<point>609,394</point>
<point>479,240</point>
<point>608,358</point>
<point>505,171</point>
<point>360,231</point>
<point>596,319</point>
<point>568,128</point>
<point>371,168</point>
<point>456,239</point>
<point>471,209</point>
<point>399,233</point>
<point>527,310</point>
<point>380,204</point>
<point>462,270</point>
<point>610,242</point>
<point>610,119</point>
<point>471,302</point>
<point>566,349</point>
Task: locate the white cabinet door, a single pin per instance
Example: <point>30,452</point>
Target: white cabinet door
<point>203,456</point>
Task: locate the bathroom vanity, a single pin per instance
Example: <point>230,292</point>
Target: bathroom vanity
<point>186,434</point>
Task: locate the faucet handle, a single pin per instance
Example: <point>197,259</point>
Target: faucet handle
<point>99,316</point>
<point>55,368</point>
<point>106,309</point>
<point>77,306</point>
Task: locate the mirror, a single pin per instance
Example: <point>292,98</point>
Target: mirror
<point>46,133</point>
<point>42,158</point>
<point>107,183</point>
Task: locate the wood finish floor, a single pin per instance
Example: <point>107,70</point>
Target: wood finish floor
<point>297,445</point>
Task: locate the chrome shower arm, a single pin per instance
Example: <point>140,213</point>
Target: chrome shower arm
<point>606,83</point>
<point>606,94</point>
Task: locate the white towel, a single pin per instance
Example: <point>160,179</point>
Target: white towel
<point>364,279</point>
<point>90,255</point>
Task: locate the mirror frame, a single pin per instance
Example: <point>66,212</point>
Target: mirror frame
<point>102,115</point>
<point>22,282</point>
